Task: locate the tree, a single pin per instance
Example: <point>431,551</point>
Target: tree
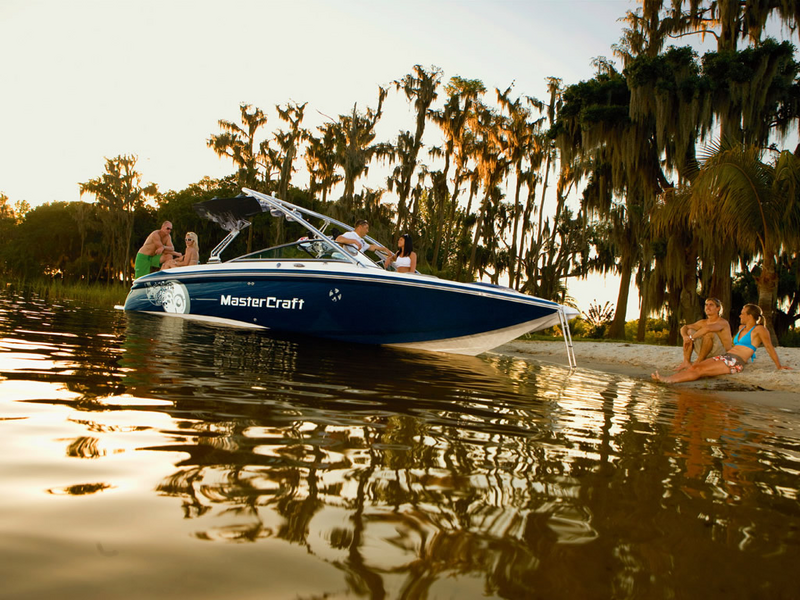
<point>453,120</point>
<point>288,142</point>
<point>239,144</point>
<point>119,193</point>
<point>492,165</point>
<point>8,222</point>
<point>541,149</point>
<point>754,203</point>
<point>178,207</point>
<point>517,139</point>
<point>594,129</point>
<point>354,146</point>
<point>419,86</point>
<point>749,94</point>
<point>320,157</point>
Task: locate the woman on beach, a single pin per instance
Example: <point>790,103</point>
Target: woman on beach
<point>190,257</point>
<point>405,259</point>
<point>750,336</point>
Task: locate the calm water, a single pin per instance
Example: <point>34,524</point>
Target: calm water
<point>151,457</point>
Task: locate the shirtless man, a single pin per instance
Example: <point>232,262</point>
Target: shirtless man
<point>707,337</point>
<point>157,248</point>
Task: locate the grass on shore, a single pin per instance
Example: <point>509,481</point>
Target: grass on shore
<point>97,294</point>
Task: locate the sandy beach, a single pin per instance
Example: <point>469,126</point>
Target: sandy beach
<point>760,382</point>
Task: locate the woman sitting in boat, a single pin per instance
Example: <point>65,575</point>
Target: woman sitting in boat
<point>750,336</point>
<point>190,257</point>
<point>405,259</point>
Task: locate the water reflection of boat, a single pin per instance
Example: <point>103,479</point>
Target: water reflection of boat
<point>315,287</point>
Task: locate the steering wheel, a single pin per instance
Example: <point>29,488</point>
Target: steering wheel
<point>317,248</point>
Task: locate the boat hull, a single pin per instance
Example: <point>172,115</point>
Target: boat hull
<point>348,305</point>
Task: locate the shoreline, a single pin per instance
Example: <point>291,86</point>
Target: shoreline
<point>760,382</point>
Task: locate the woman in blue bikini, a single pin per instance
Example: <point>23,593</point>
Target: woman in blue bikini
<point>750,336</point>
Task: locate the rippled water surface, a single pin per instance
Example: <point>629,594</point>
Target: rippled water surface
<point>150,457</point>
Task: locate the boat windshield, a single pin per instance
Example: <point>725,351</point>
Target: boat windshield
<point>304,250</point>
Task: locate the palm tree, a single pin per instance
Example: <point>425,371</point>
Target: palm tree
<point>753,203</point>
<point>320,157</point>
<point>419,86</point>
<point>238,144</point>
<point>492,165</point>
<point>354,145</point>
<point>743,93</point>
<point>119,193</point>
<point>280,160</point>
<point>672,278</point>
<point>288,142</point>
<point>458,141</point>
<point>517,140</point>
<point>596,133</point>
<point>541,149</point>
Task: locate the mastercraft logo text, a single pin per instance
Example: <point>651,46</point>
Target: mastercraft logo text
<point>269,302</point>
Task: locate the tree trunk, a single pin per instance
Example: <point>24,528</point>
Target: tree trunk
<point>477,236</point>
<point>767,284</point>
<point>644,308</point>
<point>526,225</point>
<point>463,232</point>
<point>688,311</point>
<point>440,192</point>
<point>617,329</point>
<point>450,228</point>
<point>674,324</point>
<point>720,285</point>
<point>541,208</point>
<point>513,265</point>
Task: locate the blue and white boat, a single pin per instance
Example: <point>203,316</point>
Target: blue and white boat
<point>318,288</point>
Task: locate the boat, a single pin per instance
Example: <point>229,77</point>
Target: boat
<point>315,287</point>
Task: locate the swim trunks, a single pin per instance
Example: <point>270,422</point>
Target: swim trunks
<point>733,362</point>
<point>144,263</point>
<point>716,345</point>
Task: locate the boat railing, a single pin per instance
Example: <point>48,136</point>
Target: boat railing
<point>291,212</point>
<point>297,213</point>
<point>214,257</point>
<point>562,317</point>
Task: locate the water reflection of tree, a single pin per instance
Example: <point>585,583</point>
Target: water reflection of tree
<point>85,447</point>
<point>444,522</point>
<point>527,493</point>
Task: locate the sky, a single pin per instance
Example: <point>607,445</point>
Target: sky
<point>85,80</point>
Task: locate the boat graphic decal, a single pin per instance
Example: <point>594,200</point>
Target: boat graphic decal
<point>268,302</point>
<point>335,295</point>
<point>172,296</point>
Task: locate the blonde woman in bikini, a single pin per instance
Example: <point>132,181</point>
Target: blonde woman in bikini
<point>190,257</point>
<point>750,336</point>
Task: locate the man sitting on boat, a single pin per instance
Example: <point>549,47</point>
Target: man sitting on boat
<point>356,239</point>
<point>157,249</point>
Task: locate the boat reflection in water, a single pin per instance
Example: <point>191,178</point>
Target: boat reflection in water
<point>162,454</point>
